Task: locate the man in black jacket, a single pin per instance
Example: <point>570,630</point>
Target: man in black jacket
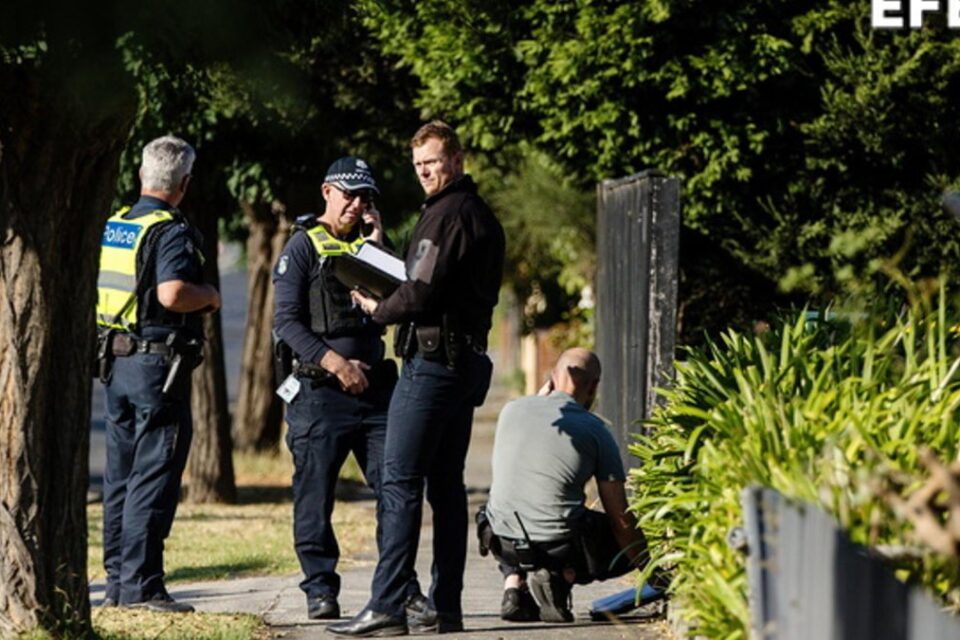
<point>444,309</point>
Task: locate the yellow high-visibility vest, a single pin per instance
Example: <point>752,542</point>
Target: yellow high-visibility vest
<point>117,282</point>
<point>331,309</point>
<point>326,245</point>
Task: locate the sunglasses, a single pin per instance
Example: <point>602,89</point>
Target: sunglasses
<point>365,195</point>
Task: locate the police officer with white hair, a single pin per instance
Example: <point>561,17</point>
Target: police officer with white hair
<point>150,296</point>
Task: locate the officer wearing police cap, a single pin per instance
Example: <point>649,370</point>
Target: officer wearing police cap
<point>340,385</point>
<point>150,294</point>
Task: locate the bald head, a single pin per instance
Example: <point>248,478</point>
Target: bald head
<point>577,372</point>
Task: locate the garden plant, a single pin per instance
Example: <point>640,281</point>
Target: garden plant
<point>829,411</point>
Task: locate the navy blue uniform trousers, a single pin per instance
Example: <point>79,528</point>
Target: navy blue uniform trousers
<point>148,438</point>
<point>430,418</point>
<point>325,424</point>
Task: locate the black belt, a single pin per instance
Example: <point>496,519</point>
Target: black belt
<point>439,353</point>
<point>123,345</point>
<point>146,346</point>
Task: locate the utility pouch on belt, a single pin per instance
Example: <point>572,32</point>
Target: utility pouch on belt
<point>429,343</point>
<point>452,340</point>
<point>122,344</point>
<point>525,550</point>
<point>405,341</point>
<point>104,363</point>
<point>282,358</point>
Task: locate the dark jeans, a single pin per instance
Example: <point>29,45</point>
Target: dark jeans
<point>592,552</point>
<point>325,425</point>
<point>430,419</point>
<point>148,438</point>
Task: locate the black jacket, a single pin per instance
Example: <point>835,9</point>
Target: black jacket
<point>455,263</point>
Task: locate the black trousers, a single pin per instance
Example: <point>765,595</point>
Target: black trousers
<point>428,432</point>
<point>325,425</point>
<point>592,552</point>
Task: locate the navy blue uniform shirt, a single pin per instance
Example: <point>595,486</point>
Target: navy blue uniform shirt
<point>294,273</point>
<point>177,258</point>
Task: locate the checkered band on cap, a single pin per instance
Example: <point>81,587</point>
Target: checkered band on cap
<point>351,174</point>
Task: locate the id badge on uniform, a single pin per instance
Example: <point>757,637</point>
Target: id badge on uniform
<point>289,389</point>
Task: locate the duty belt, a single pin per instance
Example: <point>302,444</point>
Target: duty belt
<point>311,371</point>
<point>123,345</point>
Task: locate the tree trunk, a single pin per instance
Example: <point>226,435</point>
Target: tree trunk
<point>57,176</point>
<point>210,466</point>
<point>259,411</point>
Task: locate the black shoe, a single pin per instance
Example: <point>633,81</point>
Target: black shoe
<point>323,607</point>
<point>417,605</point>
<point>421,618</point>
<point>519,606</point>
<point>162,603</point>
<point>434,625</point>
<point>109,602</point>
<point>370,624</point>
<point>552,593</point>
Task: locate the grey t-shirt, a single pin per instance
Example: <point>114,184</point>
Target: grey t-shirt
<point>546,449</point>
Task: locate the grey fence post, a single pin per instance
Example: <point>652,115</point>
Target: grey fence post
<point>638,237</point>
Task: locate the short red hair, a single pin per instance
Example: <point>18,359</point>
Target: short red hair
<point>441,131</point>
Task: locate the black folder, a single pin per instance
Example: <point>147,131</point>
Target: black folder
<point>372,269</point>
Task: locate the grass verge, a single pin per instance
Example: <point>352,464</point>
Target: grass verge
<point>252,537</point>
<point>134,624</point>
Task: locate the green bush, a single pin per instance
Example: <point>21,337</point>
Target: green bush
<point>822,412</point>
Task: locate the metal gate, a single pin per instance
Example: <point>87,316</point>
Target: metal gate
<point>638,235</point>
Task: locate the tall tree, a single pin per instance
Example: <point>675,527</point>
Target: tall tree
<point>259,409</point>
<point>210,464</point>
<point>67,109</point>
<point>62,128</point>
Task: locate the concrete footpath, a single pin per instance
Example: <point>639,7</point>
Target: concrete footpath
<point>281,603</point>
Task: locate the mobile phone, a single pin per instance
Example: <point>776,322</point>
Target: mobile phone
<point>365,227</point>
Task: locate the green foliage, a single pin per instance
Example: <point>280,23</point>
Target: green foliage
<point>820,411</point>
<point>551,229</point>
<point>266,126</point>
<point>791,122</point>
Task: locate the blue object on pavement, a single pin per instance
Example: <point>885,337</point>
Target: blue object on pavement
<point>623,602</point>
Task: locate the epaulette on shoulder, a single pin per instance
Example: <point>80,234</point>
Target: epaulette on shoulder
<point>305,222</point>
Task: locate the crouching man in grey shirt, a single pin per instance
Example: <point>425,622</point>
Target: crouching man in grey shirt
<point>536,523</point>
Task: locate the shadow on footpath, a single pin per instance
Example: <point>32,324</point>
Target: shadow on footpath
<point>221,571</point>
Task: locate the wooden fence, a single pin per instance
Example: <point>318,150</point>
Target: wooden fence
<point>638,231</point>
